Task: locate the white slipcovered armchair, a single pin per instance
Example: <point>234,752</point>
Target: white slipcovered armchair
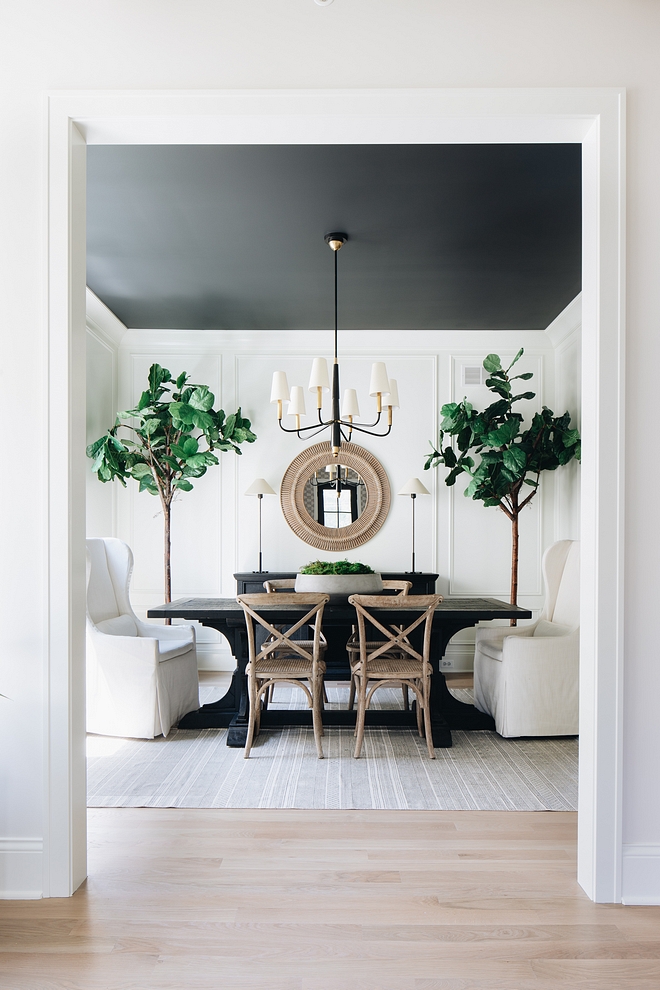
<point>527,677</point>
<point>141,678</point>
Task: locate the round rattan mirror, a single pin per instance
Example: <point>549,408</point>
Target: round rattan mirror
<point>335,506</point>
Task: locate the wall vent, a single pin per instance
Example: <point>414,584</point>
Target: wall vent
<point>474,374</point>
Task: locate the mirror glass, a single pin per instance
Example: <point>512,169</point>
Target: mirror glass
<point>335,496</point>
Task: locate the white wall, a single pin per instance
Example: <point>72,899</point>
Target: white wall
<point>214,527</point>
<point>103,337</point>
<point>221,43</point>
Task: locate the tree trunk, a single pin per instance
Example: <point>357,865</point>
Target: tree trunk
<point>167,555</point>
<point>514,561</point>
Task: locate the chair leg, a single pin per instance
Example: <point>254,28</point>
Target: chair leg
<point>325,695</point>
<point>359,724</point>
<point>406,700</point>
<point>317,718</point>
<point>427,720</point>
<point>251,719</point>
<point>351,694</point>
<point>418,713</point>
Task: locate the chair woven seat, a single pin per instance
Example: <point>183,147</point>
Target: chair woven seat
<point>292,666</point>
<point>383,667</point>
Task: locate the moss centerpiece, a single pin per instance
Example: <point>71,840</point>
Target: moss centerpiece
<point>339,579</point>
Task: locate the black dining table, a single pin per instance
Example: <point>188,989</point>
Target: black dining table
<point>231,711</point>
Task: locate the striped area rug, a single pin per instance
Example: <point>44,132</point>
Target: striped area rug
<point>196,769</point>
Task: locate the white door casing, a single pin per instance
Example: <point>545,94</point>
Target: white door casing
<point>593,117</point>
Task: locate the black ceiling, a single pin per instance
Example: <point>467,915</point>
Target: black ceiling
<point>441,236</point>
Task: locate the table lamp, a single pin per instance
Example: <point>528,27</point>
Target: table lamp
<point>260,487</point>
<point>414,487</point>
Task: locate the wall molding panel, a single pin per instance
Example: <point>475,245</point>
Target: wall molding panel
<point>214,529</point>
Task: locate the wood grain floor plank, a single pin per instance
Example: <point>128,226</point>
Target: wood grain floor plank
<point>181,899</point>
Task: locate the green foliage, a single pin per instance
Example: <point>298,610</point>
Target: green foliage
<point>336,567</point>
<point>170,437</point>
<point>499,454</point>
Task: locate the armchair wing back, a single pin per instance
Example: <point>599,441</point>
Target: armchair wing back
<point>527,677</point>
<point>141,678</point>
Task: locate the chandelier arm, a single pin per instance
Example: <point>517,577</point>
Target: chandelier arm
<point>368,426</point>
<point>371,433</point>
<point>325,426</point>
<point>312,426</point>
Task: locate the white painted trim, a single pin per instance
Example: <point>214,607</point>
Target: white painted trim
<point>102,320</point>
<point>21,845</point>
<point>595,117</point>
<point>21,866</point>
<point>640,882</point>
<point>569,320</point>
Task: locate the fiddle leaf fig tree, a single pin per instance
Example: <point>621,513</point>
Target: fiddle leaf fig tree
<point>168,440</point>
<point>503,458</point>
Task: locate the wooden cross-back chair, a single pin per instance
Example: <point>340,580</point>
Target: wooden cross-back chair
<point>282,659</point>
<point>275,586</point>
<point>394,658</point>
<point>353,645</point>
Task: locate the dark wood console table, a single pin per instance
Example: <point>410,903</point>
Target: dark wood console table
<point>230,711</point>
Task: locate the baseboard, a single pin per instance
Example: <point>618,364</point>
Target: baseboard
<point>640,874</point>
<point>458,658</point>
<point>212,657</point>
<point>21,869</point>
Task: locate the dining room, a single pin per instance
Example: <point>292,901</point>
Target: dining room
<point>214,263</point>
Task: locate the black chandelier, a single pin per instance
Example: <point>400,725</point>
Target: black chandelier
<point>341,422</point>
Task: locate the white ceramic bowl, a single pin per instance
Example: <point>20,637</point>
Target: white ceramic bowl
<point>339,586</point>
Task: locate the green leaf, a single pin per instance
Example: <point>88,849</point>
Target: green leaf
<point>140,470</point>
<point>181,380</point>
<point>190,446</point>
<point>516,358</point>
<point>183,485</point>
<point>202,399</point>
<point>182,412</point>
<point>523,395</point>
<point>151,426</point>
<point>492,363</point>
<point>202,420</point>
<point>515,460</point>
<point>525,377</point>
<point>157,376</point>
<point>505,433</point>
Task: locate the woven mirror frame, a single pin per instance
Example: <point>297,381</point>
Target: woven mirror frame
<point>292,499</point>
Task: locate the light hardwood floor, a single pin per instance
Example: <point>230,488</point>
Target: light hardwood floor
<point>329,900</point>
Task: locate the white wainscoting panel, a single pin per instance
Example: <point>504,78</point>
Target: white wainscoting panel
<point>215,527</point>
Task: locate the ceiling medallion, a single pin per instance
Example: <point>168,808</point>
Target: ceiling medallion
<point>341,423</point>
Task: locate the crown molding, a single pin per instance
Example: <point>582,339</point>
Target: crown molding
<point>102,320</point>
<point>569,320</point>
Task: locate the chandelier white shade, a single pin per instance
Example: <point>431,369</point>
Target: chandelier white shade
<point>393,397</point>
<point>279,391</point>
<point>349,405</point>
<point>341,422</point>
<point>319,376</point>
<point>380,383</point>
